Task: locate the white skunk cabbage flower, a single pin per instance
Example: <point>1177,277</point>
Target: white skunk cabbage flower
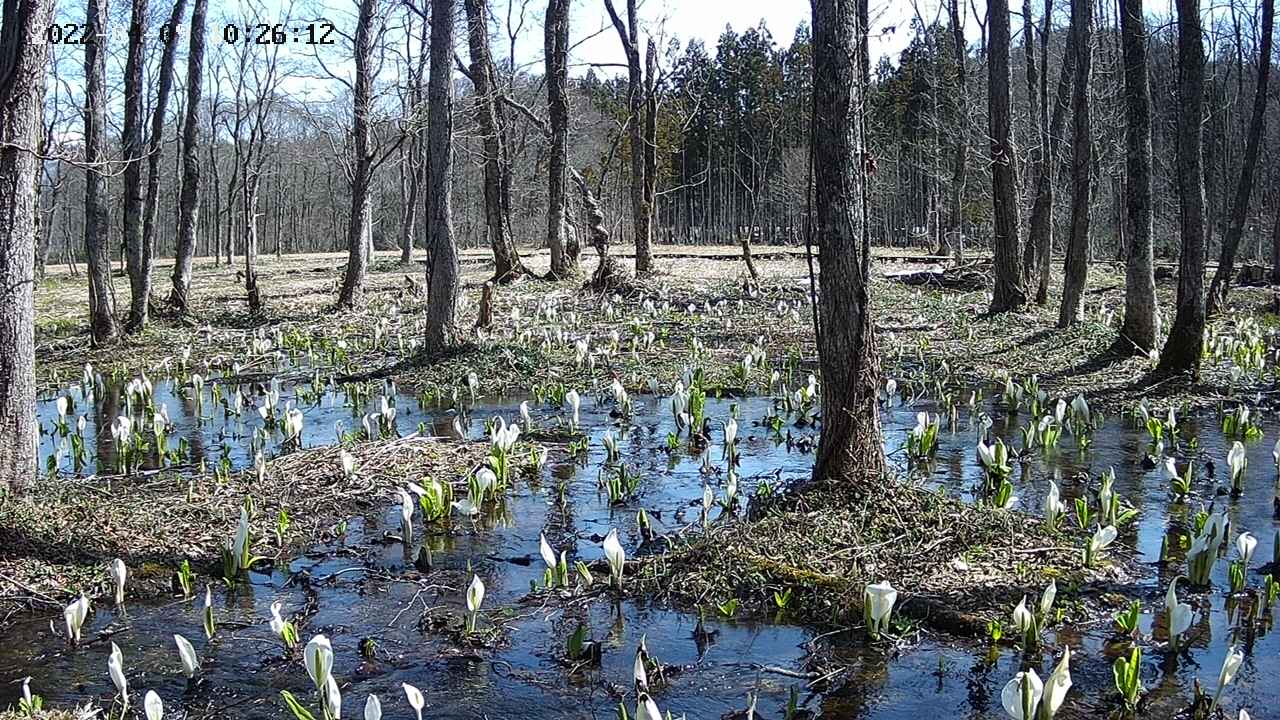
<point>1230,666</point>
<point>119,573</point>
<point>1080,408</point>
<point>373,708</point>
<point>1047,597</point>
<point>332,698</point>
<point>548,555</point>
<point>115,668</point>
<point>731,432</point>
<point>1237,460</point>
<point>414,696</point>
<point>348,464</point>
<point>406,515</point>
<point>1056,687</point>
<point>1023,620</point>
<point>277,620</point>
<point>475,594</point>
<point>1103,537</point>
<point>75,615</point>
<point>1021,696</point>
<point>525,416</point>
<point>646,708</point>
<point>1180,619</point>
<point>318,658</point>
<point>616,556</point>
<point>153,705</point>
<point>1053,505</point>
<point>187,654</point>
<point>1275,454</point>
<point>240,545</point>
<point>1246,543</point>
<point>877,602</point>
<point>573,400</point>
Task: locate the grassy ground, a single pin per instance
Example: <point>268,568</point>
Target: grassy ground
<point>57,537</point>
<point>701,307</point>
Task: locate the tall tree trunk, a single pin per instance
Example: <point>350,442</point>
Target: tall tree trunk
<point>358,240</point>
<point>1076,267</point>
<point>1182,349</point>
<point>443,274</point>
<point>1007,292</point>
<point>960,163</point>
<point>102,320</point>
<point>141,285</point>
<point>1275,239</point>
<point>629,34</point>
<point>649,198</point>
<point>556,47</point>
<point>1141,321</point>
<point>850,445</point>
<point>189,201</point>
<point>506,259</point>
<point>23,51</point>
<point>132,150</point>
<point>1034,116</point>
<point>1041,227</point>
<point>1221,284</point>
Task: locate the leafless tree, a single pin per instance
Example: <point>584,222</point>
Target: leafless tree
<point>443,274</point>
<point>1182,349</point>
<point>641,217</point>
<point>102,320</point>
<point>189,202</point>
<point>850,446</point>
<point>1008,293</point>
<point>1076,267</point>
<point>22,64</point>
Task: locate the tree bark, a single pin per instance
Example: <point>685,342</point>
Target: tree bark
<point>1041,227</point>
<point>443,272</point>
<point>358,240</point>
<point>506,259</point>
<point>1076,266</point>
<point>1034,120</point>
<point>556,47</point>
<point>1007,292</point>
<point>23,52</point>
<point>1141,321</point>
<point>629,34</point>
<point>850,444</point>
<point>132,150</point>
<point>189,200</point>
<point>138,313</point>
<point>1182,349</point>
<point>102,321</point>
<point>1221,285</point>
<point>960,167</point>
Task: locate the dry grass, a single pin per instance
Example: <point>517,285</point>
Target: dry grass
<point>57,537</point>
<point>959,565</point>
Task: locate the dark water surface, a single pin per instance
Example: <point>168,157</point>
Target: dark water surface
<point>378,593</point>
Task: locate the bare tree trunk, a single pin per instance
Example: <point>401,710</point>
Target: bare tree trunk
<point>629,34</point>
<point>1141,321</point>
<point>443,273</point>
<point>556,47</point>
<point>358,239</point>
<point>850,445</point>
<point>1034,115</point>
<point>960,164</point>
<point>1007,293</point>
<point>23,51</point>
<point>132,150</point>
<point>1076,267</point>
<point>102,321</point>
<point>189,201</point>
<point>506,259</point>
<point>1221,285</point>
<point>1182,349</point>
<point>146,255</point>
<point>1041,227</point>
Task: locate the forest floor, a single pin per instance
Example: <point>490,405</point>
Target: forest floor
<point>47,553</point>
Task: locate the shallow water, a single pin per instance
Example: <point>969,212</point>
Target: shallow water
<point>380,595</point>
